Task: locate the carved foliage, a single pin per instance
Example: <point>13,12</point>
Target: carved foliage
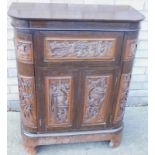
<point>122,97</point>
<point>27,100</point>
<point>77,49</point>
<point>59,91</point>
<point>24,50</point>
<point>130,51</point>
<point>97,91</point>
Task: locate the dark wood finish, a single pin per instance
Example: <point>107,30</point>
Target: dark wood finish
<point>74,12</point>
<point>74,69</point>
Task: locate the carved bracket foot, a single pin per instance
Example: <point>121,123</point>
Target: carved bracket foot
<point>30,149</point>
<point>116,140</point>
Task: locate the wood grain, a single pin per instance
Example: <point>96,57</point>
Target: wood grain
<point>53,11</point>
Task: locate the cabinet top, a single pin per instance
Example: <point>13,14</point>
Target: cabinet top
<point>72,12</point>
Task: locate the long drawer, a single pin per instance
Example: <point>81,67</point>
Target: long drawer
<point>74,46</point>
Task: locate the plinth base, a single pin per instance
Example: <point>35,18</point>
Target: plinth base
<point>32,140</point>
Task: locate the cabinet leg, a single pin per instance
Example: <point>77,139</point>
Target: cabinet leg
<point>30,149</point>
<point>115,141</point>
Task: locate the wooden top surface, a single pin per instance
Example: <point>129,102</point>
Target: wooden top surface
<point>80,12</point>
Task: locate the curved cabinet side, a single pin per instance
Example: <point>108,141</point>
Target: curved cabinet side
<point>129,51</point>
<point>26,79</point>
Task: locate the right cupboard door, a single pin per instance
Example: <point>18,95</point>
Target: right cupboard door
<point>97,92</point>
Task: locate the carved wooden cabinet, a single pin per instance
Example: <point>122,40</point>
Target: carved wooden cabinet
<point>74,69</point>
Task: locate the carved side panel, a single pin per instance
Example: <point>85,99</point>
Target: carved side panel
<point>130,49</point>
<point>59,101</point>
<point>97,91</point>
<point>27,100</point>
<point>24,48</point>
<point>79,49</point>
<point>122,96</point>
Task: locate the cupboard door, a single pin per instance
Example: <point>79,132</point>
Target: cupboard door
<point>97,89</point>
<point>57,89</point>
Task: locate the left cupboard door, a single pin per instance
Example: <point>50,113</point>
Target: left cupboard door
<point>56,90</point>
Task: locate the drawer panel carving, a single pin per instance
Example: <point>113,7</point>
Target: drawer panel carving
<point>122,96</point>
<point>97,89</point>
<point>27,100</point>
<point>130,49</point>
<point>24,48</point>
<point>56,48</point>
<point>59,101</point>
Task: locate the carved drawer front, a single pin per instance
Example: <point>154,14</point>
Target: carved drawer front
<point>59,99</point>
<point>72,45</point>
<point>77,48</point>
<point>97,92</point>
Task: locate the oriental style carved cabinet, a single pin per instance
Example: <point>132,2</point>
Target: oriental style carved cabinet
<point>74,69</point>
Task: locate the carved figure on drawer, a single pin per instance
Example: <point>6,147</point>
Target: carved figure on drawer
<point>79,48</point>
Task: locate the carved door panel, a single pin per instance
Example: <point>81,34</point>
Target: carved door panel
<point>57,93</point>
<point>97,92</point>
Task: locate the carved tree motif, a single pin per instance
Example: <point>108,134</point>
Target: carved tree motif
<point>27,100</point>
<point>96,95</point>
<point>56,49</point>
<point>24,50</point>
<point>131,46</point>
<point>123,94</point>
<point>60,100</point>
